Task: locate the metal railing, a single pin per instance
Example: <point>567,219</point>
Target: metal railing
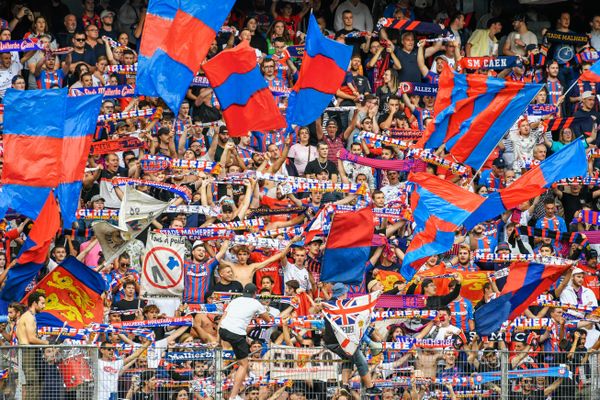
<point>202,373</point>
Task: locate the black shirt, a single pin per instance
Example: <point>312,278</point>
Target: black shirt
<point>410,69</point>
<point>314,167</point>
<point>572,204</point>
<point>579,128</point>
<point>125,305</point>
<point>355,42</point>
<point>233,286</point>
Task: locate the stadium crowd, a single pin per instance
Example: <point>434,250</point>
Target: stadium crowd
<point>98,46</point>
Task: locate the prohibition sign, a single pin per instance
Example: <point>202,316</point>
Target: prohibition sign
<point>154,254</point>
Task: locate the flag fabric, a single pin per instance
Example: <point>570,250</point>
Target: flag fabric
<point>388,279</point>
<point>592,74</point>
<point>471,286</point>
<point>158,21</point>
<point>246,102</point>
<point>319,225</point>
<point>324,66</point>
<point>350,318</point>
<point>34,252</point>
<point>53,128</point>
<point>473,112</point>
<point>570,161</point>
<point>136,213</point>
<point>348,245</point>
<point>525,282</point>
<point>439,209</point>
<point>73,294</point>
<point>179,55</point>
<point>80,125</point>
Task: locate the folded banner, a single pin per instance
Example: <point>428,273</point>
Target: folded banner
<point>494,63</point>
<point>84,213</point>
<point>428,156</point>
<point>562,37</point>
<point>593,237</point>
<point>122,69</point>
<point>421,89</point>
<point>259,243</point>
<point>156,323</point>
<point>182,191</point>
<point>403,314</point>
<point>144,112</point>
<point>403,145</point>
<point>409,25</point>
<point>556,372</point>
<point>152,163</point>
<point>116,145</point>
<point>262,211</point>
<point>407,343</point>
<point>108,92</point>
<point>569,237</point>
<point>541,109</point>
<point>199,233</point>
<point>392,165</point>
<point>557,124</point>
<point>7,46</point>
<point>407,134</point>
<point>587,217</point>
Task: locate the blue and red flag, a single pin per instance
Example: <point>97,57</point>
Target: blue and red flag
<point>81,116</point>
<point>246,102</point>
<point>34,252</point>
<point>159,17</point>
<point>47,137</point>
<point>569,162</point>
<point>592,74</point>
<point>525,282</point>
<point>439,209</point>
<point>473,112</point>
<point>73,295</point>
<point>348,245</point>
<point>178,57</point>
<point>324,66</point>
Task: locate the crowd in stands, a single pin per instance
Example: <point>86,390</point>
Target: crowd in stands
<point>97,45</point>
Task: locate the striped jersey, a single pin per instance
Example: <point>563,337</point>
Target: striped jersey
<point>196,281</point>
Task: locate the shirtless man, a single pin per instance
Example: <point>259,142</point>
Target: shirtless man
<point>244,272</point>
<point>27,335</point>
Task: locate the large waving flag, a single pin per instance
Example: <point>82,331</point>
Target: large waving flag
<point>246,101</point>
<point>348,245</point>
<point>323,70</point>
<point>439,209</point>
<point>158,21</point>
<point>569,162</point>
<point>73,295</point>
<point>33,253</point>
<point>80,124</point>
<point>46,143</point>
<point>473,112</point>
<point>178,57</point>
<point>525,282</point>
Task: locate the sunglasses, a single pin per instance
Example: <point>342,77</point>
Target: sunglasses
<point>79,40</point>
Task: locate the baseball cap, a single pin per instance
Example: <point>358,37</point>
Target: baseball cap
<point>223,129</point>
<point>332,122</point>
<point>519,17</point>
<point>249,290</point>
<point>316,239</point>
<point>587,94</point>
<point>577,271</point>
<point>197,243</point>
<point>503,246</point>
<point>339,289</point>
<point>499,163</point>
<point>123,123</point>
<point>96,197</point>
<point>106,13</point>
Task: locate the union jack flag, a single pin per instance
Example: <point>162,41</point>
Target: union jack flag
<point>350,318</point>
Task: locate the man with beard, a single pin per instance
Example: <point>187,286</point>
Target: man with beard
<point>463,261</point>
<point>198,272</point>
<point>480,241</point>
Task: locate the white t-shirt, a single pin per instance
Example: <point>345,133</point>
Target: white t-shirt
<point>290,272</point>
<point>239,313</point>
<point>6,76</point>
<point>155,352</point>
<point>108,378</point>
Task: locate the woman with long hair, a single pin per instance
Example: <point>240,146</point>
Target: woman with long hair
<point>258,40</point>
<point>389,87</point>
<point>277,29</point>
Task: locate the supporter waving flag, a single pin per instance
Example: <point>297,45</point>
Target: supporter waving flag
<point>179,56</point>
<point>158,21</point>
<point>592,74</point>
<point>569,162</point>
<point>525,282</point>
<point>439,209</point>
<point>246,101</point>
<point>323,70</point>
<point>348,246</point>
<point>473,112</point>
